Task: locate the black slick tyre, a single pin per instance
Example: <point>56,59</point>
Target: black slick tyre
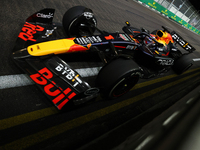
<point>78,21</point>
<point>118,77</point>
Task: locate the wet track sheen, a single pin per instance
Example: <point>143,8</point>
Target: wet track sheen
<point>29,121</point>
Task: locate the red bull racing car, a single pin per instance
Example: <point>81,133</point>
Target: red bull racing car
<point>45,51</point>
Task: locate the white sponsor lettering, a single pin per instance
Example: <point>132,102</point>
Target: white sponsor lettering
<point>166,62</point>
<point>69,74</point>
<point>88,15</point>
<point>181,42</point>
<point>131,47</point>
<point>88,40</point>
<point>41,15</point>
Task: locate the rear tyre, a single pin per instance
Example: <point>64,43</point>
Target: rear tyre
<point>182,64</point>
<point>118,77</point>
<point>79,21</point>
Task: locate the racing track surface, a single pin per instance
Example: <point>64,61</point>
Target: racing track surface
<point>29,121</point>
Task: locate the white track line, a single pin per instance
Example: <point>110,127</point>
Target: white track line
<point>11,81</point>
<point>88,72</point>
<point>196,59</point>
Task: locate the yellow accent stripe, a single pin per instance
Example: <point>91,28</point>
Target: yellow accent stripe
<point>56,130</point>
<point>185,45</point>
<point>24,118</point>
<point>140,85</point>
<point>157,52</point>
<point>75,77</point>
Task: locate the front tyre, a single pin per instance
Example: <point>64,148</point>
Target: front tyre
<point>79,21</point>
<point>118,77</point>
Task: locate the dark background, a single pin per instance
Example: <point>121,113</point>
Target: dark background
<point>195,3</point>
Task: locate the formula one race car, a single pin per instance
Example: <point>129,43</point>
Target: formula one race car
<point>44,52</point>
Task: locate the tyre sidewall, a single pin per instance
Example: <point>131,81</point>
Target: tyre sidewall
<point>75,16</point>
<point>113,72</point>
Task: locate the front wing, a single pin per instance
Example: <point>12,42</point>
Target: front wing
<point>52,75</point>
<point>55,78</point>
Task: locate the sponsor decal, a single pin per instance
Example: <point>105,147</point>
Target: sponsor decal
<point>131,47</point>
<point>181,42</point>
<point>41,15</point>
<point>28,30</point>
<point>95,22</point>
<point>88,15</point>
<point>110,37</point>
<point>48,33</point>
<point>88,40</point>
<point>124,37</point>
<point>166,62</point>
<point>60,96</point>
<point>69,74</point>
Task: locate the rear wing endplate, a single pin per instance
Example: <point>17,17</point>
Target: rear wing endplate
<point>184,44</point>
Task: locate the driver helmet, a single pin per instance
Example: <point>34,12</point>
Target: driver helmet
<point>159,38</point>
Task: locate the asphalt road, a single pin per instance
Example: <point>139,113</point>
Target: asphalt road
<point>29,121</point>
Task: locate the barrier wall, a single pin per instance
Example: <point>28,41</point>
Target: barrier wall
<point>166,12</point>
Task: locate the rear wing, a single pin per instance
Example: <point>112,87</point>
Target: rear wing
<point>184,44</point>
<point>178,39</point>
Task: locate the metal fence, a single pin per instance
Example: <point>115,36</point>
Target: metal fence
<point>183,9</point>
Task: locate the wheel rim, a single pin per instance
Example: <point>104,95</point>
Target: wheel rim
<point>75,24</point>
<point>123,86</point>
